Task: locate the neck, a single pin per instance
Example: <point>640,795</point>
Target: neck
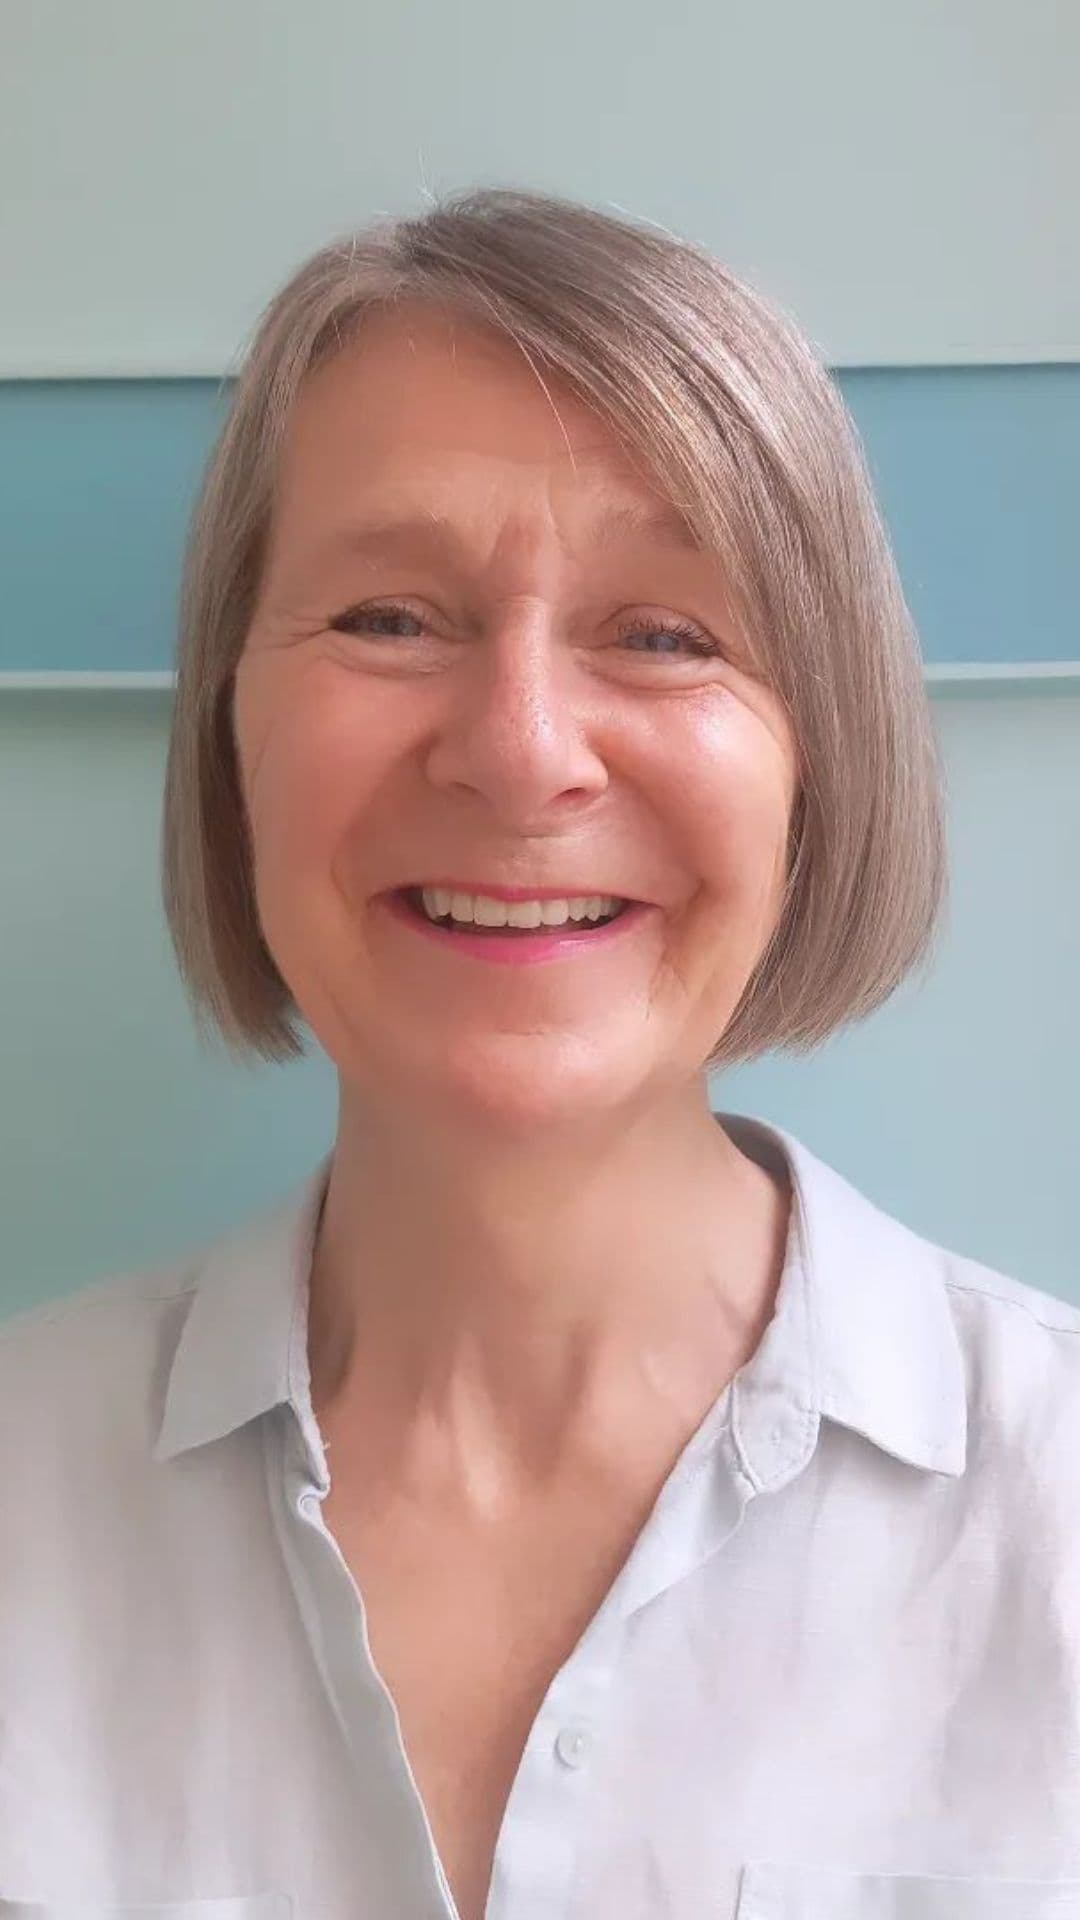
<point>480,1319</point>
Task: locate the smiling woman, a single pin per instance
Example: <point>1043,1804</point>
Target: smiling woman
<point>550,730</point>
<point>509,694</point>
<point>466,443</point>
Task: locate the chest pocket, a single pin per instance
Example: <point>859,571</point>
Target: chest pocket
<point>245,1906</point>
<point>770,1892</point>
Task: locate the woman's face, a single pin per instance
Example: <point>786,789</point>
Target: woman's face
<point>462,668</point>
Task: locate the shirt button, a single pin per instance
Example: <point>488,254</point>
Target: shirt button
<point>572,1745</point>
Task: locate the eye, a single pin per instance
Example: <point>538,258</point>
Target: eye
<point>681,635</point>
<point>386,620</point>
<point>378,620</point>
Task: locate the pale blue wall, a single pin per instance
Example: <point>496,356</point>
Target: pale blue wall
<point>900,173</point>
<point>121,1143</point>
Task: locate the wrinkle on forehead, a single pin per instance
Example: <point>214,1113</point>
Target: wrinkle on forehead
<point>424,417</point>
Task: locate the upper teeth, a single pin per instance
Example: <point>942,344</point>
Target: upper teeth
<point>487,912</point>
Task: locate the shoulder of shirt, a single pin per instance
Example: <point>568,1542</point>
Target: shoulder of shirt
<point>931,1321</point>
<point>57,1355</point>
<point>1020,1353</point>
<point>1000,1295</point>
<point>1024,1340</point>
<point>82,1387</point>
<point>990,1308</point>
<point>89,1372</point>
<point>1020,1349</point>
<point>92,1307</point>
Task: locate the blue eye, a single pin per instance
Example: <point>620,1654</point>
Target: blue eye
<point>679,632</point>
<point>681,637</point>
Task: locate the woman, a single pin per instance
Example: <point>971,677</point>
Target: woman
<point>571,1501</point>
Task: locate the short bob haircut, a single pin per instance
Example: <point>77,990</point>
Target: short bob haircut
<point>740,424</point>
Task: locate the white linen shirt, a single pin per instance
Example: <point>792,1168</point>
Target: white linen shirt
<point>837,1677</point>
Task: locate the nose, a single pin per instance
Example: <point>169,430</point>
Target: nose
<point>519,723</point>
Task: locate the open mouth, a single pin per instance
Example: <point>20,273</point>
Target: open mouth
<point>413,898</point>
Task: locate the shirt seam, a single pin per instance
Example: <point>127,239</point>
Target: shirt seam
<point>44,1312</point>
<point>1006,1300</point>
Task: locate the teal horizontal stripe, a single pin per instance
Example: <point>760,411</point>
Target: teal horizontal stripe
<point>976,469</point>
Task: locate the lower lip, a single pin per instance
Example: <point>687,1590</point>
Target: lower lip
<point>519,949</point>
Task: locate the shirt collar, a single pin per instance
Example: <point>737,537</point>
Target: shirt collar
<point>243,1344</point>
<point>862,1332</point>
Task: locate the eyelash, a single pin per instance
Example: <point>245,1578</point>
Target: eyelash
<point>699,643</point>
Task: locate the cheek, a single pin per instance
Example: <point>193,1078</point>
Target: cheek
<point>738,806</point>
<point>311,765</point>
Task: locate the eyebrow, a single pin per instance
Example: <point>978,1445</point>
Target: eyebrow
<point>436,534</point>
<point>664,525</point>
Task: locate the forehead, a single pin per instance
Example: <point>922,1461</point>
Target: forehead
<point>424,399</point>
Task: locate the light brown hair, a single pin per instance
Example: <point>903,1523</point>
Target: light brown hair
<point>743,427</point>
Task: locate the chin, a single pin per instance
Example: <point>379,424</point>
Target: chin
<point>525,1082</point>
